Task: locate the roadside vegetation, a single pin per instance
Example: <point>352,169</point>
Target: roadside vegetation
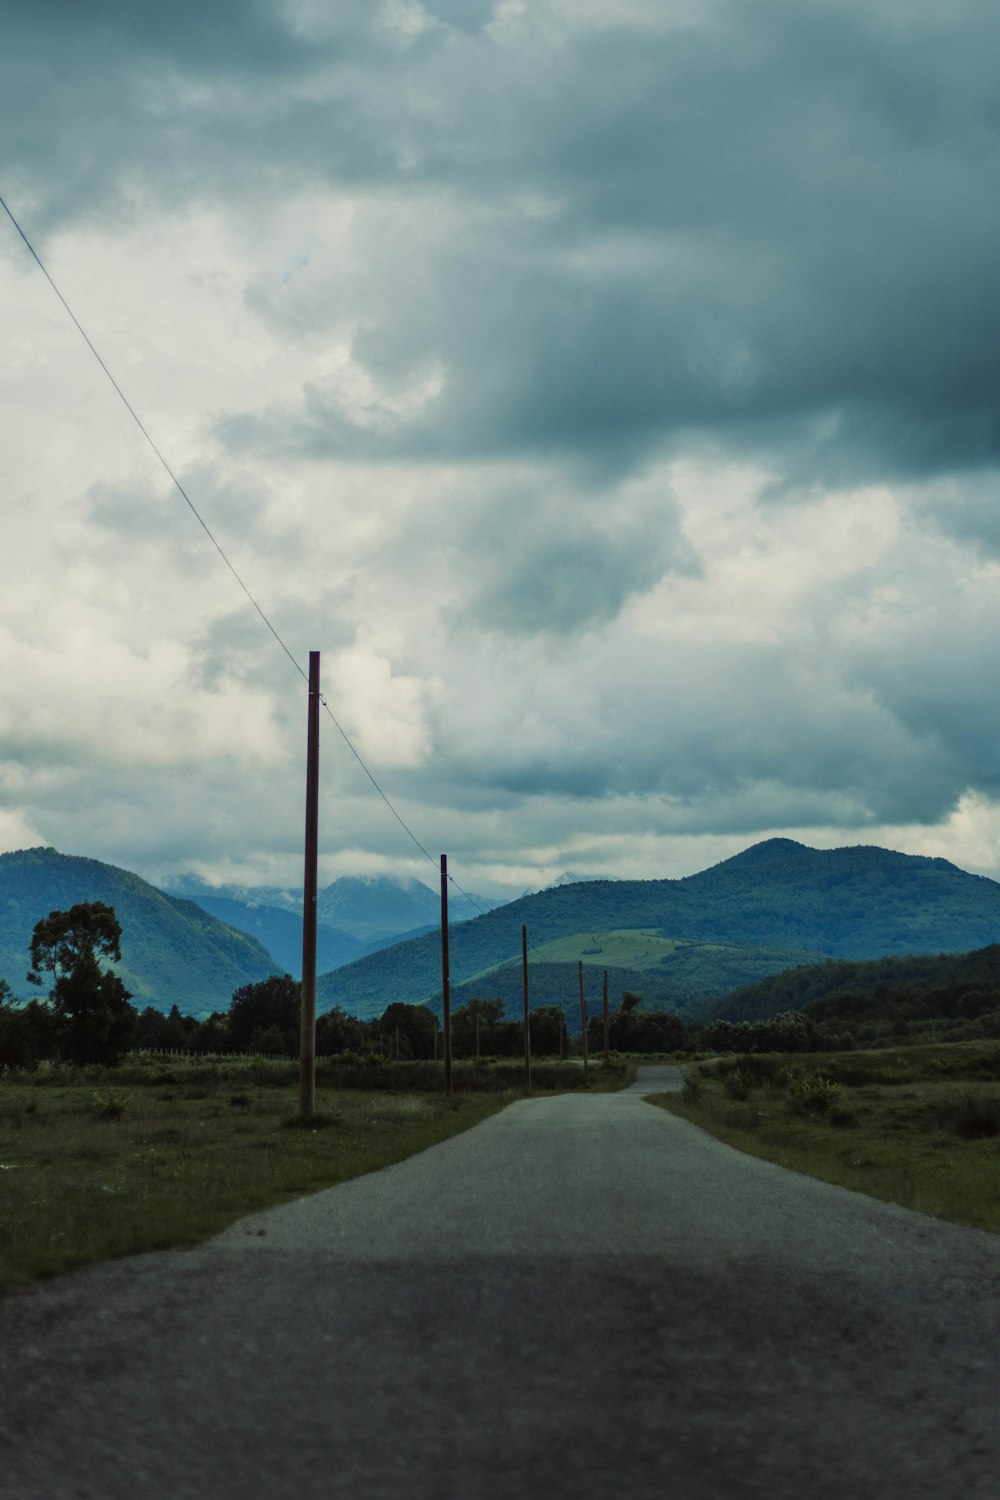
<point>916,1125</point>
<point>101,1162</point>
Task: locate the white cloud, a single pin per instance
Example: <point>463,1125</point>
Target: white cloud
<point>607,391</point>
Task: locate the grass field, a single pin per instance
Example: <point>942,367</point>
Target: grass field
<point>158,1154</point>
<point>627,948</point>
<point>918,1126</point>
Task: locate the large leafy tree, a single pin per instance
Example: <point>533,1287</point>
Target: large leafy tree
<point>409,1029</point>
<point>259,1011</point>
<point>474,1026</point>
<point>27,1032</point>
<point>91,1005</point>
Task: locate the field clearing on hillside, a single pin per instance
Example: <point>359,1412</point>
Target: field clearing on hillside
<point>626,948</point>
<point>918,1126</point>
<point>113,1162</point>
<point>693,965</point>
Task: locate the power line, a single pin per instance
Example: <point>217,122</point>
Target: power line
<point>219,548</point>
<point>139,423</point>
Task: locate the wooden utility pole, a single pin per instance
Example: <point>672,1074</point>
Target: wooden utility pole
<point>583,1021</point>
<point>527,1029</point>
<point>445,975</point>
<point>307,1014</point>
<point>607,1059</point>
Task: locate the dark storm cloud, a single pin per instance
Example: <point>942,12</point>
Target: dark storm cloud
<point>732,737</point>
<point>105,105</point>
<point>778,228</point>
<point>553,561</point>
<point>545,253</point>
<point>966,509</point>
<point>466,15</point>
<point>227,34</point>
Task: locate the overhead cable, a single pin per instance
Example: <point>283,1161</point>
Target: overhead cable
<point>218,545</point>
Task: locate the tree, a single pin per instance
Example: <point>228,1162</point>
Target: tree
<point>94,1020</point>
<point>547,1024</point>
<point>409,1030</point>
<point>336,1031</point>
<point>27,1032</point>
<point>271,1004</point>
<point>163,1033</point>
<point>474,1025</point>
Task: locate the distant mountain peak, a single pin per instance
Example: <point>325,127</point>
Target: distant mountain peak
<point>172,952</point>
<point>768,849</point>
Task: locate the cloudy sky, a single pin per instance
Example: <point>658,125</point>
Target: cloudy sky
<point>609,389</point>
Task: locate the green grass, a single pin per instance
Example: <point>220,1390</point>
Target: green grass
<point>153,1154</point>
<point>917,1126</point>
<point>627,948</point>
<point>642,948</point>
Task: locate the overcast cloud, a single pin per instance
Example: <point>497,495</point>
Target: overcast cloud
<point>607,388</point>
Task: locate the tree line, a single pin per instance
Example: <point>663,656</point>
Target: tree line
<point>87,1016</point>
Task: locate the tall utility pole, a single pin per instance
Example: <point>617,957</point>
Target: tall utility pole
<point>445,975</point>
<point>527,1031</point>
<point>607,1059</point>
<point>307,1021</point>
<point>583,1021</point>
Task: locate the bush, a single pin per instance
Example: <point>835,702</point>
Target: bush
<point>737,1083</point>
<point>974,1115</point>
<point>812,1094</point>
<point>694,1088</point>
<point>109,1106</point>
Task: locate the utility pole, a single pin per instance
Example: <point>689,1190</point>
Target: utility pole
<point>583,1021</point>
<point>307,1014</point>
<point>527,1029</point>
<point>445,975</point>
<point>607,1059</point>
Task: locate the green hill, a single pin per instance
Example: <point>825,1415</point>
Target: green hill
<point>173,952</point>
<point>279,931</point>
<point>780,895</point>
<point>669,973</point>
<point>885,998</point>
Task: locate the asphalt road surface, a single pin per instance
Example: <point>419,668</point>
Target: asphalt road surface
<point>582,1296</point>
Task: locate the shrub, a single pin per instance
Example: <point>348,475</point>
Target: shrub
<point>737,1083</point>
<point>974,1115</point>
<point>694,1088</point>
<point>812,1093</point>
<point>109,1106</point>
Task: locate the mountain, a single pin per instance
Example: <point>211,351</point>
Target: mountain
<point>918,997</point>
<point>279,930</point>
<point>173,952</point>
<point>356,914</point>
<point>860,902</point>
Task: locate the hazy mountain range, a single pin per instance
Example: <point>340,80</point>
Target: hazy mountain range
<point>679,943</point>
<point>173,952</point>
<point>356,915</point>
<point>776,905</point>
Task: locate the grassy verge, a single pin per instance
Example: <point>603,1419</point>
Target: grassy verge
<point>154,1154</point>
<point>918,1126</point>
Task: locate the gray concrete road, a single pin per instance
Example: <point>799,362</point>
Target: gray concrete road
<point>581,1297</point>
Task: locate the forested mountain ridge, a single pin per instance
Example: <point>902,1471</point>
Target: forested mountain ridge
<point>879,992</point>
<point>860,902</point>
<point>357,914</point>
<point>279,930</point>
<point>173,952</point>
